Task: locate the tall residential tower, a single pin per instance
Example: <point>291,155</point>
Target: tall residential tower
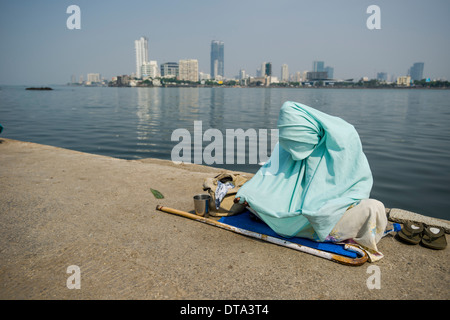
<point>141,47</point>
<point>217,59</point>
<point>416,71</point>
<point>318,66</point>
<point>284,73</point>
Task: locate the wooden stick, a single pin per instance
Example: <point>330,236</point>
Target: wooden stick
<point>361,259</point>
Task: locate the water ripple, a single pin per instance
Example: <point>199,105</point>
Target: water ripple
<point>405,133</point>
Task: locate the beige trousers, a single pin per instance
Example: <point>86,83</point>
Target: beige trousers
<point>364,224</point>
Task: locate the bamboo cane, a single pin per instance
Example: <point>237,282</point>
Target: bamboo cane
<point>361,259</point>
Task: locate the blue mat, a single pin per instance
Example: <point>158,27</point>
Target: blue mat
<point>244,221</point>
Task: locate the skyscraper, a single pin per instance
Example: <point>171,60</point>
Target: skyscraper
<point>330,71</point>
<point>217,59</point>
<point>141,48</point>
<point>284,73</point>
<point>416,71</point>
<point>266,69</point>
<point>318,66</point>
<point>382,76</point>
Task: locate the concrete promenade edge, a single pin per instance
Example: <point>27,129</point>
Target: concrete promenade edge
<point>60,208</point>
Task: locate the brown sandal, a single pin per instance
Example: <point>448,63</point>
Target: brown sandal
<point>434,238</point>
<point>411,232</point>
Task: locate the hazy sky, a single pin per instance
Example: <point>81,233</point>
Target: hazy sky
<point>38,48</point>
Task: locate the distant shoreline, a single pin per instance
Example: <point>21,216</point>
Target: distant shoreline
<point>225,86</point>
<point>272,87</point>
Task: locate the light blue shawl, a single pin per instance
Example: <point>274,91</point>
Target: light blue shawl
<point>316,171</point>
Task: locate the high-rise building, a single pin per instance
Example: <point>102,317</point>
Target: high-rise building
<point>266,69</point>
<point>242,74</point>
<point>169,69</point>
<point>330,71</point>
<point>141,48</point>
<point>382,76</point>
<point>305,75</point>
<point>416,71</point>
<point>262,71</point>
<point>318,66</point>
<point>284,73</point>
<point>258,73</point>
<point>217,59</point>
<point>188,70</point>
<point>93,77</point>
<point>149,69</point>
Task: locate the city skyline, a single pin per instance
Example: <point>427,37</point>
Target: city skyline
<point>38,48</point>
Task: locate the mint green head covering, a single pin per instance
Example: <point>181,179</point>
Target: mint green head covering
<point>316,171</point>
<point>299,133</point>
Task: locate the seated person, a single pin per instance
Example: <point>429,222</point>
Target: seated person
<point>317,182</point>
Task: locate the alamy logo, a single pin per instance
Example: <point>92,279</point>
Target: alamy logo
<point>74,280</point>
<point>220,150</point>
<point>74,20</point>
<point>374,280</point>
<point>374,21</point>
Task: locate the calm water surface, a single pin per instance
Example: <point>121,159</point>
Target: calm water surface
<point>405,133</point>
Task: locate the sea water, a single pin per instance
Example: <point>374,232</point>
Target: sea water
<point>405,133</point>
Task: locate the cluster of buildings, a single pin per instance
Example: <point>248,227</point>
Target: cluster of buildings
<point>92,79</point>
<point>186,70</point>
<point>183,70</point>
<point>148,69</point>
<point>415,73</point>
<point>265,75</point>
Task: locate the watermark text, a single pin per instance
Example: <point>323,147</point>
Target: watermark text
<point>74,20</point>
<point>231,149</point>
<point>74,280</point>
<point>374,20</point>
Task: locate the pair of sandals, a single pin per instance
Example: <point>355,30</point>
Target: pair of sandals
<point>430,237</point>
